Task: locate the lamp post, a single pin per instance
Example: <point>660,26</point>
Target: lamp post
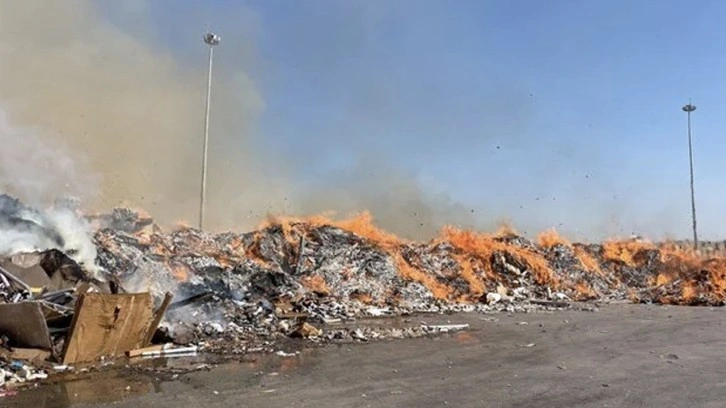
<point>211,40</point>
<point>688,109</point>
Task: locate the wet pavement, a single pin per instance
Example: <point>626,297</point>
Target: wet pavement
<point>622,355</point>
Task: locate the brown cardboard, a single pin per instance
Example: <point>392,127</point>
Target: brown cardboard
<point>24,324</point>
<point>35,356</point>
<point>108,325</point>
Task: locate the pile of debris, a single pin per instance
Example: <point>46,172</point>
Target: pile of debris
<point>53,309</point>
<point>337,269</point>
<point>308,278</point>
<point>243,291</point>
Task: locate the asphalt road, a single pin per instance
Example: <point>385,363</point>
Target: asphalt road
<point>620,356</point>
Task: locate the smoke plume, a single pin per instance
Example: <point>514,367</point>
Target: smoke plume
<point>111,96</point>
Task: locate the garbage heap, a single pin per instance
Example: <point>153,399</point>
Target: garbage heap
<point>268,282</point>
<point>55,310</point>
<point>242,292</point>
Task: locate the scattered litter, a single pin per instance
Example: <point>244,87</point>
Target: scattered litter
<point>169,350</point>
<point>377,312</point>
<point>493,298</point>
<point>444,328</point>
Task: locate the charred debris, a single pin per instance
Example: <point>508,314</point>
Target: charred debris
<point>153,293</point>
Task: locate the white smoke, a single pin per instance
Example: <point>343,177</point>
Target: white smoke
<point>39,172</point>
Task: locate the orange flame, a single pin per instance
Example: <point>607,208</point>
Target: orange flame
<point>180,272</point>
<point>316,284</point>
<point>624,251</point>
<point>484,246</point>
<point>551,238</point>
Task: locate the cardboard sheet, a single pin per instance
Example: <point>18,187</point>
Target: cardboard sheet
<point>108,325</point>
<point>24,324</point>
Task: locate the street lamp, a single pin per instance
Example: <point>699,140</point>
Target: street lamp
<point>211,40</point>
<point>688,109</point>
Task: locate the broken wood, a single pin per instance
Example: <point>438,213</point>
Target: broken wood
<point>158,316</point>
<point>141,351</point>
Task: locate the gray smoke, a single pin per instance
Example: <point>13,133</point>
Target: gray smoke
<point>25,229</point>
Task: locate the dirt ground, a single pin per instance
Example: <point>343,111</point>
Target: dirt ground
<point>619,356</point>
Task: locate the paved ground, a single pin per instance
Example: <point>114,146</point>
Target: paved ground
<point>621,356</point>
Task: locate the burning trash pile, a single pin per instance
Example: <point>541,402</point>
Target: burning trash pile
<point>55,308</point>
<point>86,287</point>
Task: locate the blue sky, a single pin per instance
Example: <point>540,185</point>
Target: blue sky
<point>557,113</point>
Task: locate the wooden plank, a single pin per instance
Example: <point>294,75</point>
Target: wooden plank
<point>107,325</point>
<point>158,316</point>
<point>138,352</point>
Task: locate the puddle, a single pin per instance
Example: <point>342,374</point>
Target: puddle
<point>143,377</point>
<point>151,376</point>
<point>106,387</point>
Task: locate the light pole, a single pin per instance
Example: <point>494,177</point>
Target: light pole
<point>211,40</point>
<point>688,109</point>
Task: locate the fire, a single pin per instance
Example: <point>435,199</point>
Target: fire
<point>587,260</point>
<point>624,251</point>
<point>689,292</point>
<point>438,289</point>
<point>470,263</point>
<point>180,272</point>
<point>662,279</point>
<point>362,297</point>
<point>253,252</point>
<point>181,225</point>
<point>506,228</point>
<point>476,287</point>
<point>362,225</point>
<point>584,291</point>
<point>485,246</point>
<point>316,284</point>
<point>551,238</point>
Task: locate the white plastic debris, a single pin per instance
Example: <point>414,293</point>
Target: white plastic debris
<point>167,350</point>
<point>493,298</point>
<point>444,328</point>
<point>357,334</point>
<point>377,311</point>
<point>560,296</point>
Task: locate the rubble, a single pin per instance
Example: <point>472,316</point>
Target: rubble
<point>311,279</point>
